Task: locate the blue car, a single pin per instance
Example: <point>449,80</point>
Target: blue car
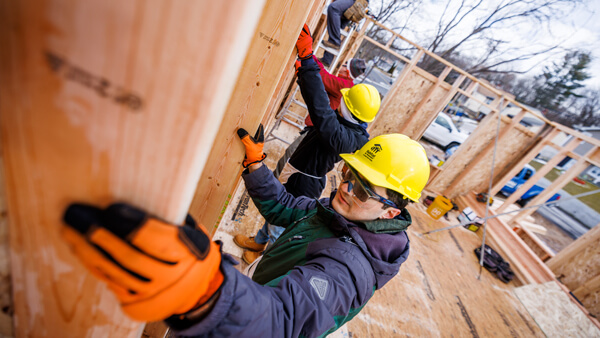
<point>517,181</point>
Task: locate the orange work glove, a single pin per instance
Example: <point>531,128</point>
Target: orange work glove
<point>254,146</point>
<point>297,65</point>
<point>155,269</point>
<point>304,44</point>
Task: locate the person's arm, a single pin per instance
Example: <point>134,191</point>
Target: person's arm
<point>333,84</point>
<point>305,302</point>
<point>163,271</point>
<point>274,203</point>
<point>324,119</point>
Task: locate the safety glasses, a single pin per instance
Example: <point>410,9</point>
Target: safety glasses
<point>361,192</point>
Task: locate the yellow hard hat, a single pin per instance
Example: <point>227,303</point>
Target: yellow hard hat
<point>363,101</point>
<point>392,161</point>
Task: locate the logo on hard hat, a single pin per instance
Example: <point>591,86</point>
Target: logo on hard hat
<point>371,153</point>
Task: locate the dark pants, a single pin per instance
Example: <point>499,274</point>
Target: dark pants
<point>335,23</point>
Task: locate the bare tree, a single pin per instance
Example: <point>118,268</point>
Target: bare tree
<point>450,37</point>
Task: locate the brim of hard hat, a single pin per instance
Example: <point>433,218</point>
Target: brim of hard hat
<point>374,176</point>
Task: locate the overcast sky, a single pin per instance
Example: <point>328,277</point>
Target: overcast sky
<point>577,30</point>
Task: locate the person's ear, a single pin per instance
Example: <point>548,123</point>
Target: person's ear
<point>390,213</point>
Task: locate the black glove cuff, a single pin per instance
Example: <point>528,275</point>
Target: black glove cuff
<point>251,163</point>
<point>186,320</point>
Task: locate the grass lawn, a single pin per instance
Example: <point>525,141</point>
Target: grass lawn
<point>593,201</point>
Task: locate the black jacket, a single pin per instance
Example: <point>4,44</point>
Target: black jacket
<point>330,136</point>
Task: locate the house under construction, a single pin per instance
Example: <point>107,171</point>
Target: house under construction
<point>140,102</point>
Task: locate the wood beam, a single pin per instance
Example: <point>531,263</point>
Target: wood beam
<point>543,171</point>
<point>558,184</point>
<point>526,264</point>
<point>105,101</point>
<point>389,50</point>
<point>273,45</point>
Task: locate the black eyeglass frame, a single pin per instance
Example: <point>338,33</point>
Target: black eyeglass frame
<point>370,193</point>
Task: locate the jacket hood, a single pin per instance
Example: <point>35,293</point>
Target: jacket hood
<point>384,243</point>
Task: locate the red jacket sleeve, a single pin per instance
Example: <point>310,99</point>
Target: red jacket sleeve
<point>333,84</point>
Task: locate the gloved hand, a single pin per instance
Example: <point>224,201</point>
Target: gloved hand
<point>297,65</point>
<point>254,146</point>
<point>304,44</point>
<point>155,269</point>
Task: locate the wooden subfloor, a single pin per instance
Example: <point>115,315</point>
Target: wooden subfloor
<point>437,293</point>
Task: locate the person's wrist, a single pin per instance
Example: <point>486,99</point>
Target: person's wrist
<point>195,315</point>
<point>255,166</point>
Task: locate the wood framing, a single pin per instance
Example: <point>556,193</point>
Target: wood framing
<point>558,184</point>
<point>526,264</point>
<point>573,143</point>
<point>578,267</point>
<point>272,47</point>
<point>409,106</point>
<point>545,139</point>
<point>105,101</point>
<point>453,181</point>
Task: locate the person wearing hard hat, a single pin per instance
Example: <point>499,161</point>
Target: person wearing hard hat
<point>333,256</point>
<point>332,132</point>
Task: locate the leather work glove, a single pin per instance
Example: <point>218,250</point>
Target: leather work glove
<point>156,269</point>
<point>304,44</point>
<point>254,146</point>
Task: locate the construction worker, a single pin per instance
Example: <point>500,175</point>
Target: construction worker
<point>349,71</point>
<point>331,134</point>
<point>335,253</point>
<point>336,21</point>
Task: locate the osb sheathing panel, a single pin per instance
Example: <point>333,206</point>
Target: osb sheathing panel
<point>398,108</point>
<point>554,312</point>
<point>578,267</point>
<point>515,142</point>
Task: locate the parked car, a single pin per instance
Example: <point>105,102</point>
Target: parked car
<point>444,133</point>
<point>517,181</point>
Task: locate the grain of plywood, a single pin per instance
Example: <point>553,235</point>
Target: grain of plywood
<point>272,46</point>
<point>509,148</point>
<point>512,145</point>
<point>396,109</point>
<point>554,312</point>
<point>427,113</point>
<point>104,101</point>
<point>578,267</point>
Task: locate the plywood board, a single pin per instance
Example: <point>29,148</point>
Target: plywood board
<point>554,312</point>
<point>272,45</point>
<point>105,101</point>
<point>515,143</point>
<point>427,113</point>
<point>578,267</point>
<point>397,108</point>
